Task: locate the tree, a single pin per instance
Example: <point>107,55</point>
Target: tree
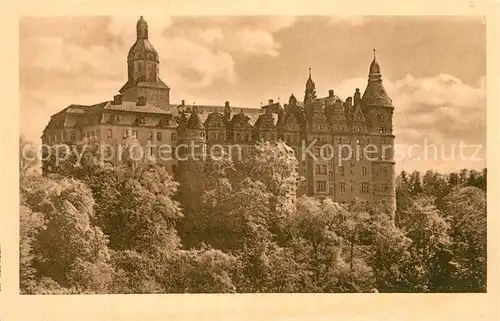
<point>134,203</point>
<point>56,231</point>
<point>430,250</point>
<point>390,256</point>
<point>415,183</point>
<point>466,210</point>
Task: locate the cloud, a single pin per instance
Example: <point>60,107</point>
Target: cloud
<point>195,65</point>
<point>439,110</point>
<point>67,61</point>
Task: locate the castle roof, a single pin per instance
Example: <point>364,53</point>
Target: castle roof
<point>147,84</point>
<point>375,93</point>
<point>194,121</point>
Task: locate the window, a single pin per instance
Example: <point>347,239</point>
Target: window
<point>364,171</point>
<point>342,187</point>
<point>349,140</point>
<point>247,137</point>
<point>202,134</point>
<point>73,135</point>
<point>383,140</point>
<point>358,129</point>
<point>382,130</point>
<point>150,136</point>
<point>368,141</point>
<point>238,136</point>
<point>341,170</point>
<point>364,187</point>
<point>212,136</point>
<point>380,117</point>
<point>173,137</point>
<point>384,187</point>
<point>110,133</point>
<point>221,136</point>
<point>318,169</point>
<point>330,175</point>
<point>158,136</point>
<point>150,150</point>
<point>339,140</point>
<point>358,141</point>
<point>321,186</point>
<point>125,134</point>
<point>93,134</point>
<point>323,169</point>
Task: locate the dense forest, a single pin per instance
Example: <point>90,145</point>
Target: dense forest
<point>90,227</point>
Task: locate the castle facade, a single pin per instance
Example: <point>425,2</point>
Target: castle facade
<point>143,109</point>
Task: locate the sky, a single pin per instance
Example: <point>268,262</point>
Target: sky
<point>433,68</point>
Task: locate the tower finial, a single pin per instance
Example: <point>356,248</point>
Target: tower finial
<point>374,58</point>
<point>309,72</point>
<point>142,29</point>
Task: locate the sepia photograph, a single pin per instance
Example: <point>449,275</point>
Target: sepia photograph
<point>252,154</point>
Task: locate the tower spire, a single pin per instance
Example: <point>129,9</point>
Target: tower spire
<point>374,73</point>
<point>309,72</point>
<point>142,28</point>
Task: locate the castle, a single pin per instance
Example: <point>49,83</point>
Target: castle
<point>143,109</point>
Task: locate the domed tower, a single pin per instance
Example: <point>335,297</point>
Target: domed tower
<point>378,108</point>
<point>144,71</point>
<point>142,60</point>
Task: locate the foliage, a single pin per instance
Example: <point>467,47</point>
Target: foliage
<point>88,226</point>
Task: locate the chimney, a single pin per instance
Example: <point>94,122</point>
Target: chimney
<point>357,97</point>
<point>226,104</point>
<point>271,101</point>
<point>183,102</point>
<point>117,100</point>
<point>141,101</point>
<point>330,93</point>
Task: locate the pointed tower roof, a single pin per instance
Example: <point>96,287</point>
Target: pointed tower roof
<point>194,121</point>
<point>375,93</point>
<point>374,66</point>
<point>310,85</point>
